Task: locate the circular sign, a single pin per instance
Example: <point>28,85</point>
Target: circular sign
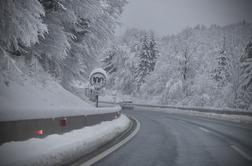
<point>98,78</point>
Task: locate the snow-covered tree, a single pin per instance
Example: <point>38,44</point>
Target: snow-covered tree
<point>96,21</point>
<point>109,59</point>
<point>54,47</point>
<point>153,51</point>
<point>147,58</point>
<point>77,32</point>
<point>184,68</point>
<point>246,76</point>
<point>119,62</point>
<point>21,25</point>
<point>188,59</point>
<point>125,79</point>
<point>221,72</point>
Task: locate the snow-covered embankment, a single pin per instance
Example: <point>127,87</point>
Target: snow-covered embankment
<point>56,149</point>
<point>38,96</point>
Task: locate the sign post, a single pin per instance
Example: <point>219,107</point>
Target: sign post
<point>97,79</point>
<point>96,98</point>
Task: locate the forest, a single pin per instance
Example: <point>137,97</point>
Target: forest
<point>201,66</point>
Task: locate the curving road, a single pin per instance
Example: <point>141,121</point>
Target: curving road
<point>179,140</point>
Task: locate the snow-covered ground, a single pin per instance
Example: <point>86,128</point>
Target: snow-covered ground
<point>27,97</point>
<point>56,149</point>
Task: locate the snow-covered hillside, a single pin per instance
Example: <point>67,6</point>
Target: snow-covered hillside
<point>56,43</point>
<point>37,95</point>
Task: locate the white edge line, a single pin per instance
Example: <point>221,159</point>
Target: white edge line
<point>113,148</point>
<point>205,130</point>
<point>242,153</point>
<point>238,150</point>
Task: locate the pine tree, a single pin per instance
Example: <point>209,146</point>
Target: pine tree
<point>147,58</point>
<point>246,77</point>
<point>184,65</point>
<point>153,52</point>
<point>221,72</point>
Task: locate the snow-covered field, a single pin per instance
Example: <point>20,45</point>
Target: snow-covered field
<point>56,149</point>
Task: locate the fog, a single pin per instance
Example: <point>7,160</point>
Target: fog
<point>171,16</point>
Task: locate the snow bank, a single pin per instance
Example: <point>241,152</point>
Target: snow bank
<point>36,97</point>
<point>56,149</point>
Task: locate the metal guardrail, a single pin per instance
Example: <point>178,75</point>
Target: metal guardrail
<point>21,130</point>
<point>198,109</point>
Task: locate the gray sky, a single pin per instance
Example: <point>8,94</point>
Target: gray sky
<point>172,16</point>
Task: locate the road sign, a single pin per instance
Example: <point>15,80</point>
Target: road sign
<point>98,78</point>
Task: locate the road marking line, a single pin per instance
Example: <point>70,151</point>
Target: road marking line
<point>113,148</point>
<point>182,121</point>
<point>242,153</point>
<point>204,129</point>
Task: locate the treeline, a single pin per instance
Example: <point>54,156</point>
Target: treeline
<point>64,37</point>
<point>201,66</point>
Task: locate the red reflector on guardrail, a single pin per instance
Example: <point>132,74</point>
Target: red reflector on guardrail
<point>117,114</point>
<point>40,132</point>
<point>63,122</point>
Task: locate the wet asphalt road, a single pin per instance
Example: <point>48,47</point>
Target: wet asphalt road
<point>178,140</point>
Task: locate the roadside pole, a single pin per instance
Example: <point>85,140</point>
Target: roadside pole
<point>96,97</point>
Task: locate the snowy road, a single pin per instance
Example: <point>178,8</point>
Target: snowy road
<point>179,140</point>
